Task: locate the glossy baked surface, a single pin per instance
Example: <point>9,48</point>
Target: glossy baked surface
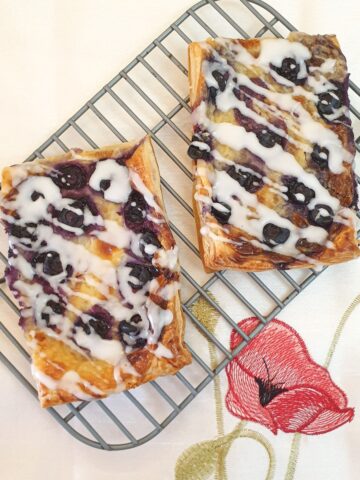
<point>94,267</point>
<point>273,151</point>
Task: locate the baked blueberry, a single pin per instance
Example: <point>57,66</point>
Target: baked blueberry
<point>148,244</point>
<point>127,328</point>
<point>100,325</point>
<point>36,195</point>
<point>69,270</point>
<point>221,79</point>
<point>69,177</point>
<point>104,185</point>
<point>252,183</point>
<point>289,69</point>
<point>136,318</point>
<point>267,138</point>
<point>51,263</point>
<point>282,266</point>
<point>84,326</point>
<point>140,342</point>
<point>45,317</point>
<point>142,273</point>
<point>320,155</point>
<point>212,92</point>
<point>275,235</point>
<point>71,218</point>
<point>221,211</point>
<point>299,193</point>
<point>308,248</point>
<point>199,147</point>
<point>135,210</point>
<point>23,231</point>
<point>80,323</point>
<point>328,102</point>
<point>56,307</point>
<point>321,215</point>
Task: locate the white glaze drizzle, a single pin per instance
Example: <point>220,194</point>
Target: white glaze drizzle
<point>275,158</point>
<point>247,213</point>
<point>310,129</point>
<point>142,188</point>
<point>118,175</point>
<point>97,272</point>
<point>162,351</point>
<point>70,382</point>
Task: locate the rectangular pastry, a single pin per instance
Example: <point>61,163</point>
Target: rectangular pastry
<point>273,151</point>
<point>94,267</point>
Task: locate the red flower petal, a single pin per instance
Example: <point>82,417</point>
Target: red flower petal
<point>329,420</point>
<point>307,410</point>
<point>242,399</point>
<point>287,359</point>
<point>275,382</point>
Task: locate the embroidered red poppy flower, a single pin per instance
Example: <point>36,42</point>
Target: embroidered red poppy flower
<point>273,381</point>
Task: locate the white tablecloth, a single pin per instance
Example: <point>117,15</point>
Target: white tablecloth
<point>54,56</point>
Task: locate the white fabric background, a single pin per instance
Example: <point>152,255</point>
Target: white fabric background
<point>55,54</point>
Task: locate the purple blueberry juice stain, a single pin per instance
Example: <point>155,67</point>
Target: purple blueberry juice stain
<point>11,276</point>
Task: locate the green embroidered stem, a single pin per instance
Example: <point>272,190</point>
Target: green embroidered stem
<point>340,328</point>
<point>209,317</point>
<point>295,445</point>
<point>237,429</point>
<point>220,472</point>
<point>198,461</point>
<point>294,454</point>
<point>268,447</point>
<point>240,432</point>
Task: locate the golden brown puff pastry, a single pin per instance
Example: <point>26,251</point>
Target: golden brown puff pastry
<point>94,267</point>
<point>273,151</point>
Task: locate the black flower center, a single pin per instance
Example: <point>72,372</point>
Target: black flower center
<point>268,391</point>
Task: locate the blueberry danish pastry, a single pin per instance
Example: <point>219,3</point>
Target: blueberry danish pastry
<point>273,152</point>
<point>93,265</point>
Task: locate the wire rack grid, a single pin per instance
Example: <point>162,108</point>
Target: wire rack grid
<point>263,295</point>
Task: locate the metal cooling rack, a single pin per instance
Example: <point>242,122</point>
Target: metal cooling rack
<point>122,414</point>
